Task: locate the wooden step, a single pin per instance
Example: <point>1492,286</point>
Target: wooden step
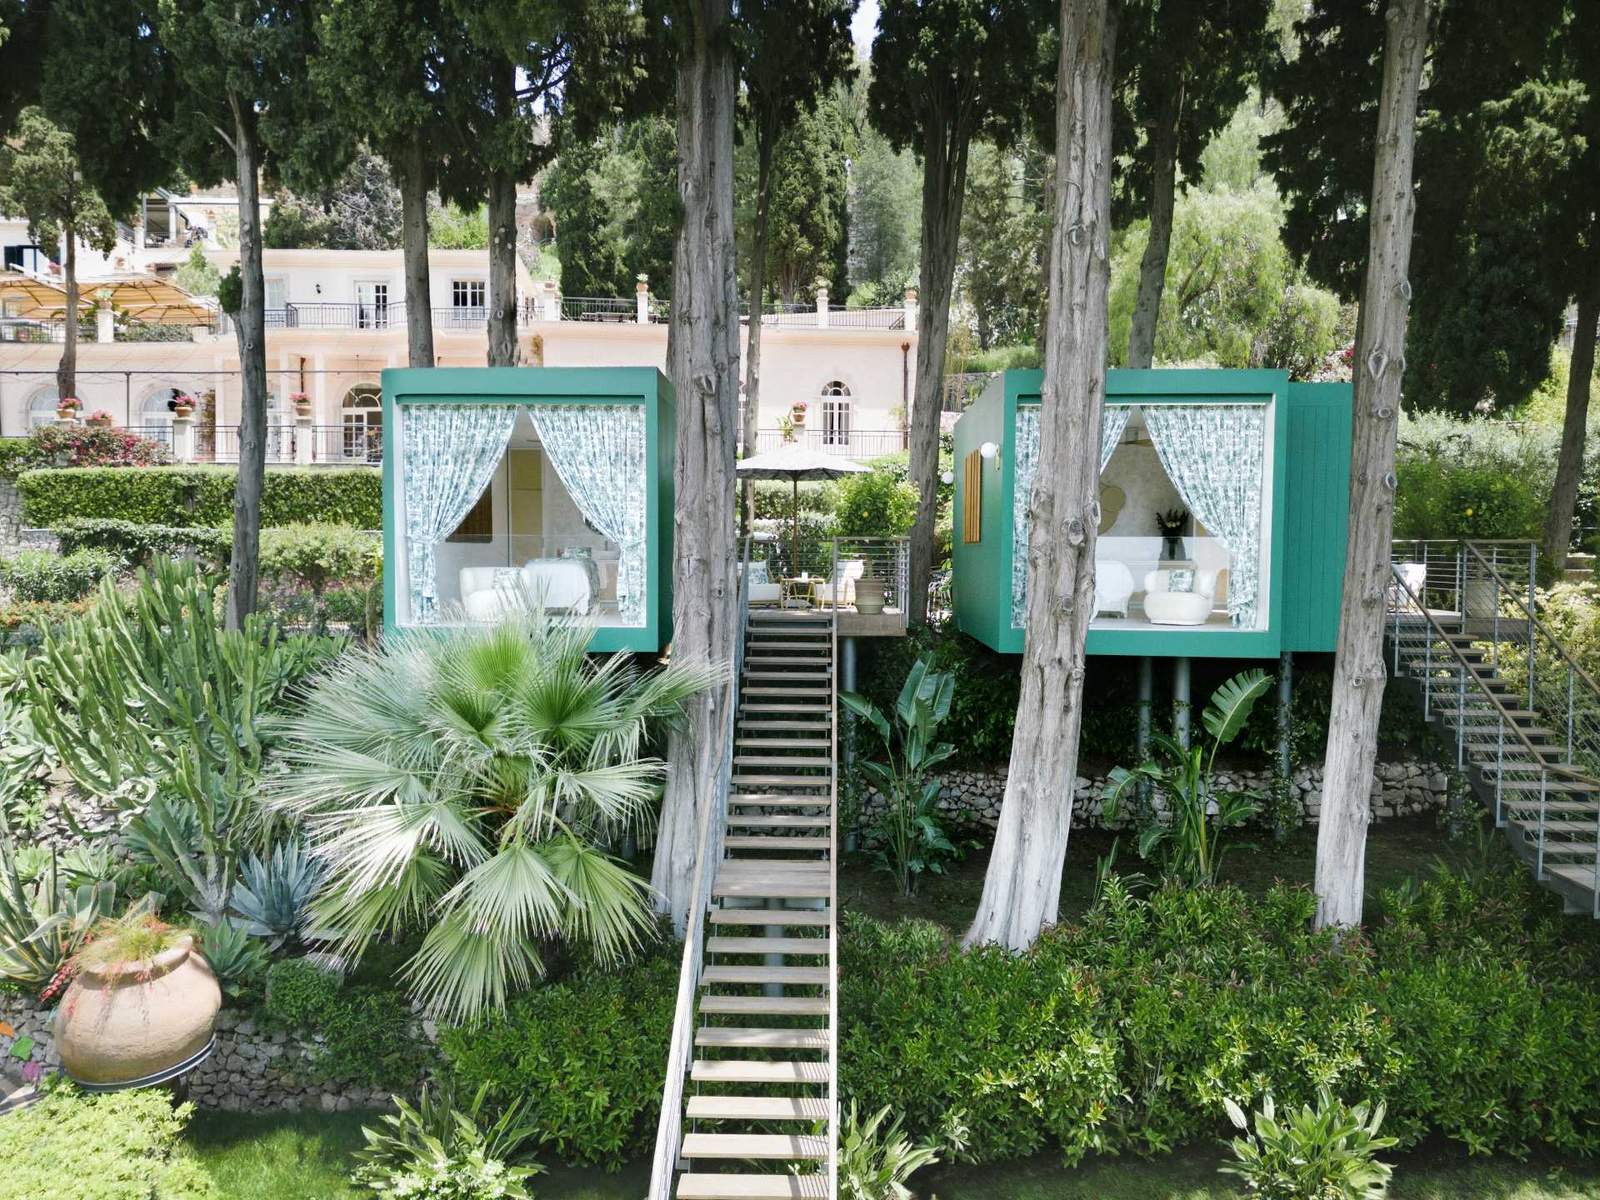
<point>789,1147</point>
<point>814,661</point>
<point>772,889</point>
<point>757,1108</point>
<point>722,974</point>
<point>1576,873</point>
<point>695,1186</point>
<point>785,743</point>
<point>814,762</point>
<point>765,782</point>
<point>1558,826</point>
<point>1551,786</point>
<point>767,945</point>
<point>811,918</point>
<point>767,689</point>
<point>778,644</point>
<point>764,1006</point>
<point>751,1038</point>
<point>761,727</point>
<point>735,1070</point>
<point>787,710</point>
<point>796,845</point>
<point>791,678</point>
<point>760,799</point>
<point>1515,804</point>
<point>778,821</point>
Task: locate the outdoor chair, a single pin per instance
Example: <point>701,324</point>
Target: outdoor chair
<point>840,591</point>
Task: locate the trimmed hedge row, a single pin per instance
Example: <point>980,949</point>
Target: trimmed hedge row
<point>188,496</point>
<point>1468,1008</point>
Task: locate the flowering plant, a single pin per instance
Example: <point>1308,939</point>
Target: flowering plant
<point>68,404</point>
<point>100,417</point>
<point>299,397</point>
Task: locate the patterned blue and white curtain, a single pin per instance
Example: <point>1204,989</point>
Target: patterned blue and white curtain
<point>599,452</point>
<point>1215,455</point>
<point>1113,420</point>
<point>450,453</point>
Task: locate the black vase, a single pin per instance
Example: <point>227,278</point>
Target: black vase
<point>1172,547</point>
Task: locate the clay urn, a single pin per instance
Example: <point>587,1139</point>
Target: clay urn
<point>132,1023</point>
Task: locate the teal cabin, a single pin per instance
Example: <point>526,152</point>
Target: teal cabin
<point>1223,508</point>
<point>515,485</point>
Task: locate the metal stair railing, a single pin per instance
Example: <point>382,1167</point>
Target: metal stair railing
<point>833,893</point>
<point>1415,632</point>
<point>712,822</point>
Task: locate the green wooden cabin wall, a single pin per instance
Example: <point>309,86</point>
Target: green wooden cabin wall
<point>533,386</point>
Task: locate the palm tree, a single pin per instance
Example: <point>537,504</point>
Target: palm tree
<point>466,782</point>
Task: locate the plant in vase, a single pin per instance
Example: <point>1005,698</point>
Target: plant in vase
<point>1172,525</point>
<point>68,407</point>
<point>301,402</point>
<point>182,405</point>
<point>99,418</point>
<point>797,414</point>
<point>912,839</point>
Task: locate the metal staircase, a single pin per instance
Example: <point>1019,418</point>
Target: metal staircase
<point>752,1084</point>
<point>1524,716</point>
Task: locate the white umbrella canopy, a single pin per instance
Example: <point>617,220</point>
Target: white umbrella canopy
<point>795,463</point>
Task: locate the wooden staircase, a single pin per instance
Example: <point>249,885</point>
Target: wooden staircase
<point>759,1116</point>
<point>1532,764</point>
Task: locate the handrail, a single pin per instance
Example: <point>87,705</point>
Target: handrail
<point>1467,673</point>
<point>669,1130</point>
<point>1533,619</point>
<point>833,894</point>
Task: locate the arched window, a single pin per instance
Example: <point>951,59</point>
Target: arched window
<point>154,418</point>
<point>42,407</point>
<point>362,419</point>
<point>835,414</point>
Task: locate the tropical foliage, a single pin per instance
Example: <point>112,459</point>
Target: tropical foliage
<point>1186,827</point>
<point>1325,1152</point>
<point>443,1152</point>
<point>465,784</point>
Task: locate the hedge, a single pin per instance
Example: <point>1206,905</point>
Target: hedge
<point>188,496</point>
<point>42,576</point>
<point>135,544</point>
<point>1468,1008</point>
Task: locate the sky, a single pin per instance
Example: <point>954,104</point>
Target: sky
<point>864,24</point>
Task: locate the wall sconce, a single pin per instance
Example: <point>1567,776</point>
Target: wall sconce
<point>947,477</point>
<point>990,452</point>
<point>318,289</point>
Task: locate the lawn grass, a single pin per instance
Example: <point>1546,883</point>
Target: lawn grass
<point>1397,850</point>
<point>1430,1174</point>
<point>306,1156</point>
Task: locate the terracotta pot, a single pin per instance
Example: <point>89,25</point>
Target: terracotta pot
<point>183,410</point>
<point>100,422</point>
<point>798,416</point>
<point>869,596</point>
<point>138,1021</point>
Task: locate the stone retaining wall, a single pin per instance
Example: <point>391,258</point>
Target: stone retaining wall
<point>254,1067</point>
<point>1399,789</point>
<point>10,518</point>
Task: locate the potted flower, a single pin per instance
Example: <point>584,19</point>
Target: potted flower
<point>183,405</point>
<point>302,404</point>
<point>67,408</point>
<point>797,414</point>
<point>99,418</point>
<point>141,1007</point>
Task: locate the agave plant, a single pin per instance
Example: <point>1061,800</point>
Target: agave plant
<point>273,894</point>
<point>465,782</point>
<point>43,921</point>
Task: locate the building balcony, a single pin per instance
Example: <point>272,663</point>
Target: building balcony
<point>353,445</point>
<point>847,443</point>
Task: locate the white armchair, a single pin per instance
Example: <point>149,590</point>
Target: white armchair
<point>556,584</point>
<point>1113,587</point>
<point>840,591</point>
<point>763,590</point>
<point>1163,606</point>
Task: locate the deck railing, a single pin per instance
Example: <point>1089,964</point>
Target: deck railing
<point>708,840</point>
<point>834,846</point>
<point>852,443</point>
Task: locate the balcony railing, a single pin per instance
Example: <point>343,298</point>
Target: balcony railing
<point>853,443</point>
<point>330,445</point>
<point>35,332</point>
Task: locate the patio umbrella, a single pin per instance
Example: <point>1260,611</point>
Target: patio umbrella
<point>140,296</point>
<point>795,463</point>
<point>32,296</point>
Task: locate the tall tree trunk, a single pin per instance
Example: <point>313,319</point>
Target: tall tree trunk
<point>944,186</point>
<point>1022,889</point>
<point>703,364</point>
<point>502,269</point>
<point>413,173</point>
<point>1153,266</point>
<point>1569,465</point>
<point>250,327</point>
<point>766,135</point>
<point>67,368</point>
<point>1358,669</point>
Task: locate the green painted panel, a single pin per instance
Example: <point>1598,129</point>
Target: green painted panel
<point>982,569</point>
<point>1319,506</point>
<point>533,386</point>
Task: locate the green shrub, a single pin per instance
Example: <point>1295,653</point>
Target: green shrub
<point>305,560</point>
<point>200,496</point>
<point>1474,478</point>
<point>299,991</point>
<point>40,575</point>
<point>874,504</point>
<point>586,1051</point>
<point>1467,1008</point>
<point>78,446</point>
<point>370,1036</point>
<point>816,545</point>
<point>136,544</point>
<point>1321,1153</point>
<point>115,1146</point>
<point>775,499</point>
<point>27,623</point>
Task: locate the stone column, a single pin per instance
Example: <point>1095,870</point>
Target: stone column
<point>104,324</point>
<point>183,437</point>
<point>641,300</point>
<point>822,304</point>
<point>304,432</point>
<point>911,310</point>
<point>551,301</point>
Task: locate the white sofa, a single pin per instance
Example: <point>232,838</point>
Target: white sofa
<point>1163,606</point>
<point>1113,587</point>
<point>558,584</point>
